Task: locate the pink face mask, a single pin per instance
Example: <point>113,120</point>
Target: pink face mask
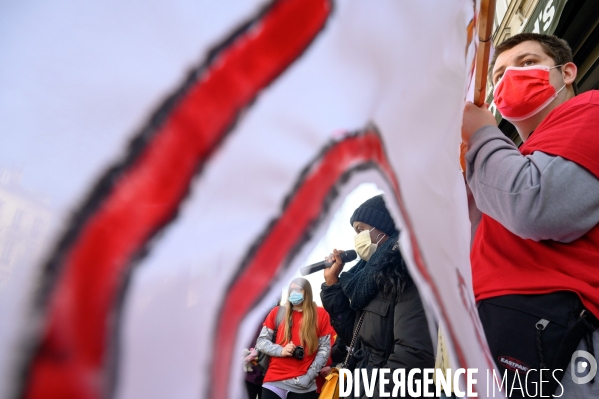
<point>524,91</point>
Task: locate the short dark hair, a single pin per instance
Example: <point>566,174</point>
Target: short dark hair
<point>556,48</point>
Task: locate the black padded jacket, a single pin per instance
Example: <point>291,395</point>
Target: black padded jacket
<point>394,333</point>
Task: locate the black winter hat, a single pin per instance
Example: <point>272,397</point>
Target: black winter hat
<point>375,213</point>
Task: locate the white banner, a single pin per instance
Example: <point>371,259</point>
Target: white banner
<point>174,163</point>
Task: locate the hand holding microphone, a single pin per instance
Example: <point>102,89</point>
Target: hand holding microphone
<point>344,256</point>
<point>331,275</point>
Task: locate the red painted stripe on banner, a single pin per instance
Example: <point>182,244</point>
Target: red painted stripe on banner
<point>70,362</point>
<point>303,209</point>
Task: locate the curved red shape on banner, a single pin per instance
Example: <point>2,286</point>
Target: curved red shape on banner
<point>70,361</point>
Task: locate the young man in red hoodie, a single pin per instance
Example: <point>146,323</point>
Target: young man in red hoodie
<point>535,254</point>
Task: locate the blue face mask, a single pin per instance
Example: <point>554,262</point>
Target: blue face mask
<point>296,298</point>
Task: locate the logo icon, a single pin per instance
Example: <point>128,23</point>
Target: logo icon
<point>578,367</point>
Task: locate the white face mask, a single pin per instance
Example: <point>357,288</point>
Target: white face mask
<point>364,246</point>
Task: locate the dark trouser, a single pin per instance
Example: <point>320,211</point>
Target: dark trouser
<point>532,332</point>
<point>254,391</point>
<point>268,394</point>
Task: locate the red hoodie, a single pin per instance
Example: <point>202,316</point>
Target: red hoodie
<point>503,263</point>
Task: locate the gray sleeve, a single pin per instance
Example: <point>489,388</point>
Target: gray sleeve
<point>538,196</point>
<point>265,345</point>
<point>322,355</point>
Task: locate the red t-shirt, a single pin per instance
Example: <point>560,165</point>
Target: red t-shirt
<point>282,368</point>
<point>503,263</point>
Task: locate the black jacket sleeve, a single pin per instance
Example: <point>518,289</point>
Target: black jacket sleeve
<point>339,351</point>
<point>337,305</point>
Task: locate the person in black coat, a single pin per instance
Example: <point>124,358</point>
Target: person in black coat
<point>394,333</point>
